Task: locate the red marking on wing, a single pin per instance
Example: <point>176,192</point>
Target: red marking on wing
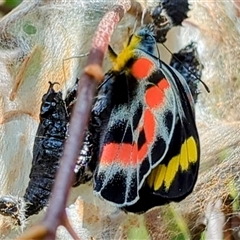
<point>142,68</point>
<point>163,84</point>
<point>149,126</point>
<point>128,154</point>
<point>124,153</point>
<point>155,95</point>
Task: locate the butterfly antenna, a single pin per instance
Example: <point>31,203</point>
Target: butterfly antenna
<point>199,79</point>
<point>158,52</point>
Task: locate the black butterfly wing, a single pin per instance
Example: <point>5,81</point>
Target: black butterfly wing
<point>135,136</point>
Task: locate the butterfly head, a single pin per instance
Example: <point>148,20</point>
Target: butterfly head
<point>140,43</point>
<point>146,38</point>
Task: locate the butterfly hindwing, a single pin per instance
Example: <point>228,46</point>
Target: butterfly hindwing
<point>175,177</point>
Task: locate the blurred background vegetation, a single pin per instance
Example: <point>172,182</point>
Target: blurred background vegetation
<point>7,5</point>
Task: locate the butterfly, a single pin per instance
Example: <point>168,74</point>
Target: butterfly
<point>146,144</point>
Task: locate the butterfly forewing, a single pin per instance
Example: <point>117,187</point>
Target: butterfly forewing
<point>137,124</point>
<point>148,145</point>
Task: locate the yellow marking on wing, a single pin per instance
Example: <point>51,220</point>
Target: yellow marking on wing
<point>156,177</point>
<point>126,54</point>
<point>161,171</point>
<point>192,150</point>
<point>171,172</point>
<point>151,177</point>
<point>163,174</point>
<point>184,156</point>
<point>188,153</point>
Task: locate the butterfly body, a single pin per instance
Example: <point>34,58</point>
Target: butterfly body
<point>148,146</point>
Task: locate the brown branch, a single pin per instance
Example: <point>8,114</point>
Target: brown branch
<point>56,214</point>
